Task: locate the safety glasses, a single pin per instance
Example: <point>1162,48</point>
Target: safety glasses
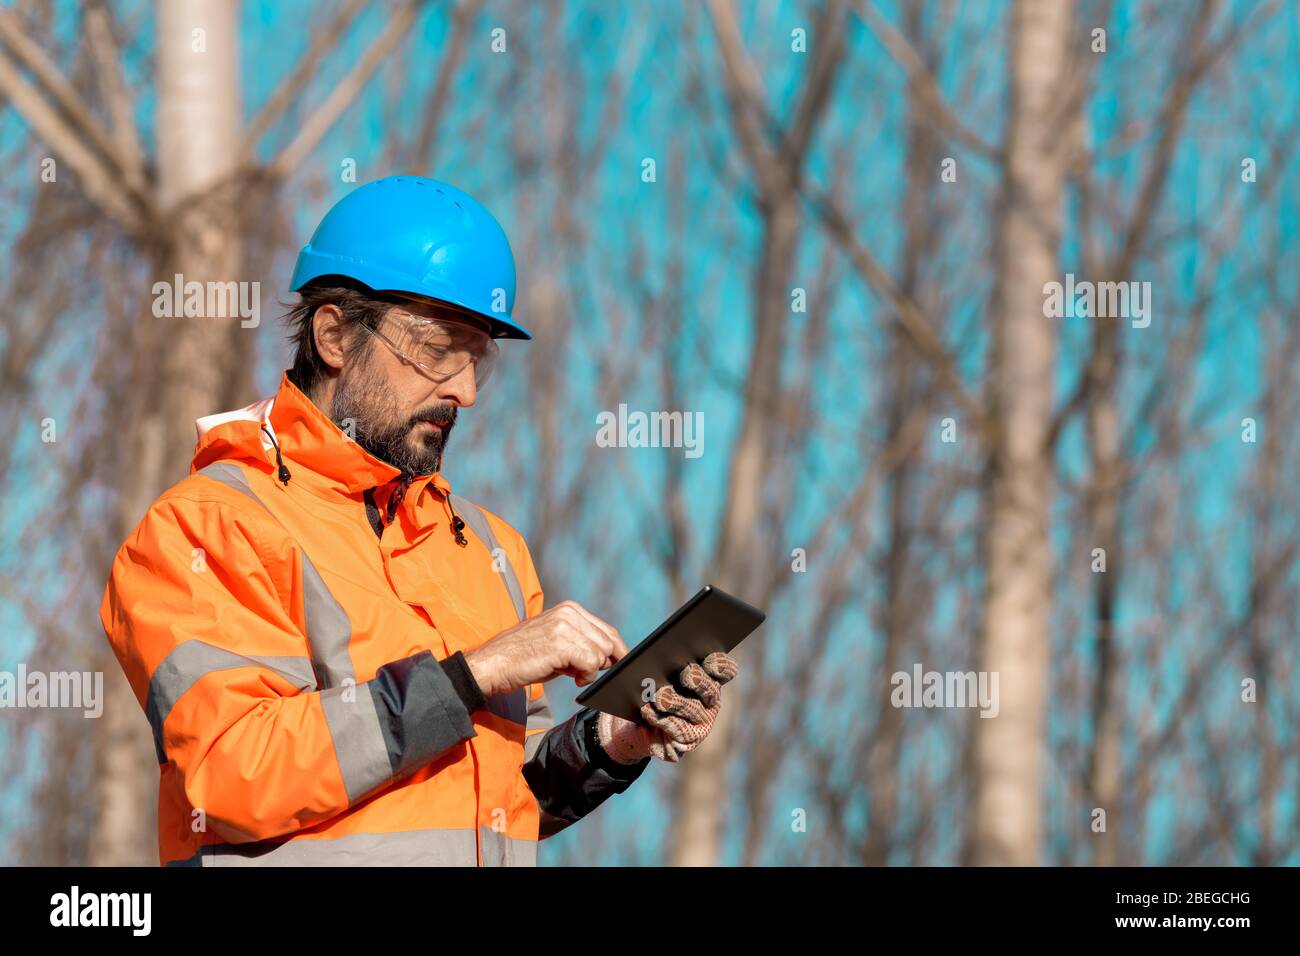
<point>439,348</point>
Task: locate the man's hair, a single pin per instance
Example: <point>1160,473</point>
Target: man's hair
<point>359,305</point>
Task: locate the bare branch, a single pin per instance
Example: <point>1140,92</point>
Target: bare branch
<point>99,182</point>
<point>121,108</point>
<point>829,34</point>
<point>59,116</point>
<point>929,96</point>
<point>422,148</point>
<point>745,93</point>
<point>341,97</point>
<point>324,40</point>
<point>909,315</point>
<point>47,75</point>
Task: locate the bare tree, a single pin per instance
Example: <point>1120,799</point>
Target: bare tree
<point>197,209</point>
<point>777,168</point>
<point>1009,750</point>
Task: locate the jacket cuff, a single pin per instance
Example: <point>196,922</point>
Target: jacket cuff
<point>571,775</point>
<point>462,680</point>
<point>420,714</point>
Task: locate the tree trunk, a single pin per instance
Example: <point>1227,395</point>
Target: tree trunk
<point>701,806</point>
<point>1009,749</point>
<point>188,367</point>
<point>1103,773</point>
<point>902,611</point>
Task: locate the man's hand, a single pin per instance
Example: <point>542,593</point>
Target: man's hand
<point>672,723</point>
<point>566,640</point>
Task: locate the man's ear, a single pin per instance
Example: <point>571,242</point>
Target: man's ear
<point>330,335</point>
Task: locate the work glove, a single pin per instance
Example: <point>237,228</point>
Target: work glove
<point>672,723</point>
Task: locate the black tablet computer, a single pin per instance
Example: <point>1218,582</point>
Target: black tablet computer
<point>712,620</point>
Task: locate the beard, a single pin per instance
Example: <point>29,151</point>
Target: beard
<point>365,408</point>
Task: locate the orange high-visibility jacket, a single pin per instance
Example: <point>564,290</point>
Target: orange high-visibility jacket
<point>293,644</point>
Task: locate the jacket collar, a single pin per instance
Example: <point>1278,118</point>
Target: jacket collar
<point>316,451</point>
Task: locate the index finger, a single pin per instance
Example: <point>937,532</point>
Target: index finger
<point>620,649</point>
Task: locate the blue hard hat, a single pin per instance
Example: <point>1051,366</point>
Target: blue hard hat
<point>422,237</point>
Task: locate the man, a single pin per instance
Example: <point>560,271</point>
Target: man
<point>342,661</point>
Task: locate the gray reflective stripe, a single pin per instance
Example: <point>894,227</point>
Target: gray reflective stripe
<point>353,723</point>
<point>497,848</point>
<point>329,630</point>
<point>511,706</point>
<point>191,660</point>
<point>411,848</point>
<point>230,475</point>
<point>539,718</point>
<point>501,850</point>
<point>478,522</point>
<point>358,739</point>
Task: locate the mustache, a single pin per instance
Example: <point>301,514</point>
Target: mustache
<point>444,415</point>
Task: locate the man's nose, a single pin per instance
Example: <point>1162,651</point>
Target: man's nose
<point>460,388</point>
